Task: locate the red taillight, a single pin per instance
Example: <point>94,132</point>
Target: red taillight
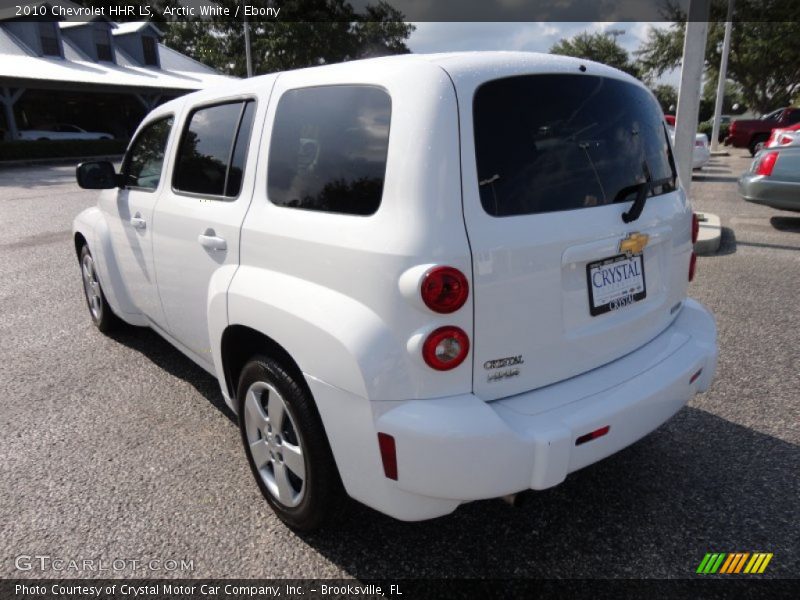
<point>766,163</point>
<point>786,139</point>
<point>444,289</point>
<point>770,139</point>
<point>388,455</point>
<point>445,348</point>
<point>692,266</point>
<point>695,228</point>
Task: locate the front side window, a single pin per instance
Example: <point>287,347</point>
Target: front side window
<point>213,148</point>
<point>546,143</point>
<point>328,149</point>
<point>145,159</point>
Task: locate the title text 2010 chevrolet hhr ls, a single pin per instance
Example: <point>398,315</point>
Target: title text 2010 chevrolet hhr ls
<point>420,280</point>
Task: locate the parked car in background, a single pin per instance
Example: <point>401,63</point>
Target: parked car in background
<point>701,152</point>
<point>773,178</point>
<point>707,127</point>
<point>748,133</point>
<point>63,131</point>
<point>783,136</point>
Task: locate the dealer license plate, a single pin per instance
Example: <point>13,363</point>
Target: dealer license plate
<point>615,282</point>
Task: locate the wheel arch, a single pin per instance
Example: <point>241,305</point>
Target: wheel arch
<point>239,343</point>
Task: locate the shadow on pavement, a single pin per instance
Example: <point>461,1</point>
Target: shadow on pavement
<point>727,243</point>
<point>166,356</point>
<point>786,223</point>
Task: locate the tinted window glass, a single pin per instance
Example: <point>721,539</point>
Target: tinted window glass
<point>205,150</point>
<point>145,159</point>
<point>547,143</point>
<point>240,151</point>
<point>328,149</point>
<point>150,52</point>
<point>49,37</point>
<point>793,117</point>
<point>102,41</point>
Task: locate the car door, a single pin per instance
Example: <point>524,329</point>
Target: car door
<point>198,219</point>
<point>129,215</point>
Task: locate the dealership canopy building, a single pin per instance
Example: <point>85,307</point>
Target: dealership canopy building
<point>96,74</point>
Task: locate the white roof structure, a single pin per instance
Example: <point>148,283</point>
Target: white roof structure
<point>177,72</point>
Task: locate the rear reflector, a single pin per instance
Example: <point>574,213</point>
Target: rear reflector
<point>695,227</point>
<point>692,266</point>
<point>593,435</point>
<point>388,455</point>
<point>695,377</point>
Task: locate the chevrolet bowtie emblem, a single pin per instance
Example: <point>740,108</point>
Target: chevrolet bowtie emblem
<point>634,243</point>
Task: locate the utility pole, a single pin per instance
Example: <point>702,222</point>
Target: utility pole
<point>248,56</point>
<point>723,72</point>
<point>694,50</point>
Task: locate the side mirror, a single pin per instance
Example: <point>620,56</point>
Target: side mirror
<point>97,175</point>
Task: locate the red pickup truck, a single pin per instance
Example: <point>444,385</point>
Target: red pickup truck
<point>747,133</point>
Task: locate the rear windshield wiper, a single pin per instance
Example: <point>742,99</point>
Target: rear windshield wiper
<point>642,190</point>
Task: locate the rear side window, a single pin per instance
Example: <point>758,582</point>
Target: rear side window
<point>145,159</point>
<point>548,143</point>
<point>328,149</point>
<point>213,149</point>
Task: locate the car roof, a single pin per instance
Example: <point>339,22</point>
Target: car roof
<point>463,68</point>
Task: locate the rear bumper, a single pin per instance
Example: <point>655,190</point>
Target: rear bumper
<point>457,449</point>
<point>758,189</point>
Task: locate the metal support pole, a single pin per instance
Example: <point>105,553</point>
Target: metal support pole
<point>8,99</point>
<point>247,53</point>
<point>723,72</point>
<point>694,49</point>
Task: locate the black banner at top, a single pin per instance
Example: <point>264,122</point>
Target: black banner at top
<point>408,10</point>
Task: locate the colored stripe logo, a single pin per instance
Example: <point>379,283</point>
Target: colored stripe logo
<point>728,563</point>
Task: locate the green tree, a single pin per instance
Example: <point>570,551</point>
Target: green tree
<point>667,97</point>
<point>764,61</point>
<point>600,47</point>
<point>334,32</point>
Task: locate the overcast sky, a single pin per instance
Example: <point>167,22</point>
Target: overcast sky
<point>531,37</point>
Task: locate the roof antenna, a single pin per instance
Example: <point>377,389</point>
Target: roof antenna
<point>582,68</point>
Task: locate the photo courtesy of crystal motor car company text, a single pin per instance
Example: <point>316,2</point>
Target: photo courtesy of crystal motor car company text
<point>395,288</point>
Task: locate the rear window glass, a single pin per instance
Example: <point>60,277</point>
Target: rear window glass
<point>328,149</point>
<point>548,143</point>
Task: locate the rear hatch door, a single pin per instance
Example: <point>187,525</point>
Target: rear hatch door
<point>561,284</point>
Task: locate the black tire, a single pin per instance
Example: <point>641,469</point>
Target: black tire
<point>99,310</point>
<point>757,139</point>
<point>320,493</point>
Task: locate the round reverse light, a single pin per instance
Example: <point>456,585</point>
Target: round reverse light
<point>445,348</point>
<point>444,289</point>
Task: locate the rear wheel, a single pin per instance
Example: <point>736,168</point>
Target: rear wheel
<point>286,445</point>
<point>757,139</point>
<point>102,316</point>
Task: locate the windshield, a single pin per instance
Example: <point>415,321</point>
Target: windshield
<point>547,143</point>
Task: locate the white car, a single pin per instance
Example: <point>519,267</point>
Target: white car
<point>419,280</point>
<point>701,153</point>
<point>63,131</point>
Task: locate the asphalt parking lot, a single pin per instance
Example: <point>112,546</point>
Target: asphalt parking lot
<point>119,447</point>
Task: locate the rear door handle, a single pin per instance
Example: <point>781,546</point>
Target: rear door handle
<point>211,241</point>
<point>138,222</point>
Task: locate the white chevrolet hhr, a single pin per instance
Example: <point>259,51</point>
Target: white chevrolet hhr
<point>420,280</point>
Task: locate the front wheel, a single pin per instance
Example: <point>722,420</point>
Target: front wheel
<point>102,316</point>
<point>286,445</point>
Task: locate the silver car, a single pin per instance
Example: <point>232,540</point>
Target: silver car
<point>773,178</point>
